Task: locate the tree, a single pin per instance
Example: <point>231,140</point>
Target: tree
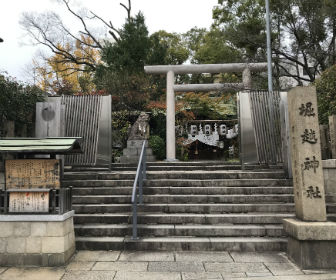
<point>130,52</point>
<point>326,94</point>
<point>56,75</point>
<point>303,33</point>
<point>176,51</point>
<point>243,24</point>
<point>17,101</point>
<point>194,38</point>
<point>121,72</point>
<point>48,29</point>
<point>215,48</point>
<point>310,26</point>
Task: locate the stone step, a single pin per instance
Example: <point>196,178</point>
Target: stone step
<point>184,218</point>
<point>200,164</point>
<point>197,230</point>
<point>187,199</point>
<point>331,207</point>
<point>134,159</point>
<point>85,168</point>
<point>184,190</point>
<point>181,183</point>
<point>186,208</point>
<point>186,175</point>
<point>185,167</point>
<point>183,243</point>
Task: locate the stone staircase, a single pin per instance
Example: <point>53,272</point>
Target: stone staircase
<point>187,206</point>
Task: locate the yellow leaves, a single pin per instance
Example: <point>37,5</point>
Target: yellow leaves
<point>71,74</point>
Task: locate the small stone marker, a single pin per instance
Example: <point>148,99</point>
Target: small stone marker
<point>308,180</point>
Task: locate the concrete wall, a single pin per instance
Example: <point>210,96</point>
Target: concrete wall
<point>329,174</point>
<point>24,242</point>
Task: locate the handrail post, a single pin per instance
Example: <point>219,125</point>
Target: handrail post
<point>140,187</point>
<point>145,161</point>
<point>5,202</point>
<point>139,177</point>
<point>134,228</point>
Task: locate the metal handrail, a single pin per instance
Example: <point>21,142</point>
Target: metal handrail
<point>139,177</point>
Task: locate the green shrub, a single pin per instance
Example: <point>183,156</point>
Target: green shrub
<point>158,146</point>
<point>18,102</point>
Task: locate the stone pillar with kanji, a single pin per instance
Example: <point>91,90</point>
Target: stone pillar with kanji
<point>307,170</point>
<point>311,238</point>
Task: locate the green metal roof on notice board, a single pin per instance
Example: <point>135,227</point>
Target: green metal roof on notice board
<point>54,145</point>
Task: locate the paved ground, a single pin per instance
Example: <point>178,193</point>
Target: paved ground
<point>116,265</point>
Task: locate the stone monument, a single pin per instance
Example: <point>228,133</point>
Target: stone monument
<point>139,132</point>
<point>312,240</point>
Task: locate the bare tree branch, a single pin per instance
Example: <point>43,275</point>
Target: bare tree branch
<point>109,25</point>
<point>66,2</point>
<point>128,9</point>
<point>44,30</point>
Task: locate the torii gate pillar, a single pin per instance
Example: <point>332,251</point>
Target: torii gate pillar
<point>170,118</point>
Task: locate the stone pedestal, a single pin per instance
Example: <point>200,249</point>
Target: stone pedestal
<point>329,174</point>
<point>36,240</point>
<point>131,154</point>
<point>311,245</point>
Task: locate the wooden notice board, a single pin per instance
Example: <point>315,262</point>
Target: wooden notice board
<point>29,202</point>
<point>33,174</point>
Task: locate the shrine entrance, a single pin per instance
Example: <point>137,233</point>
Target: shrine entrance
<point>172,70</point>
<point>261,125</point>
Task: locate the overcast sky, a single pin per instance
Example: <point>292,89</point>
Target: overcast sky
<point>170,15</point>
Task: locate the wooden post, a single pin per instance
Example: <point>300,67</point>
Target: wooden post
<point>10,129</point>
<point>324,141</point>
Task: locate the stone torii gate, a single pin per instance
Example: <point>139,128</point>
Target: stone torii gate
<point>171,70</point>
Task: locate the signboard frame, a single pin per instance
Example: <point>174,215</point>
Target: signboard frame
<point>31,181</point>
<point>19,201</point>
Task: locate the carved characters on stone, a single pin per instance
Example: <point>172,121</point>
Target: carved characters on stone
<point>311,164</point>
<point>313,193</point>
<point>309,136</point>
<point>307,110</point>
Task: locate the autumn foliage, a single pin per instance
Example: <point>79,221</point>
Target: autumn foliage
<point>59,76</point>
